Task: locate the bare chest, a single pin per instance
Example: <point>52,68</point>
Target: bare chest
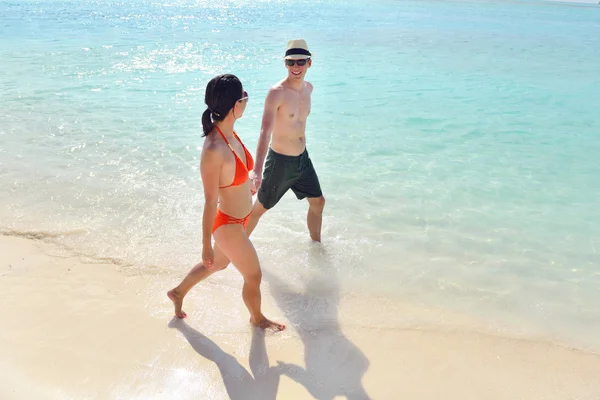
<point>295,107</point>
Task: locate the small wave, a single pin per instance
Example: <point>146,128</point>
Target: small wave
<point>54,238</point>
<point>39,235</point>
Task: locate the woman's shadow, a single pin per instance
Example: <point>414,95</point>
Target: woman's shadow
<point>334,365</point>
<point>262,384</point>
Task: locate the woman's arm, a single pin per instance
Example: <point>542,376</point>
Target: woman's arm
<point>211,162</point>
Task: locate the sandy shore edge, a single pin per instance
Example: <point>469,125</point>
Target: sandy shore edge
<point>74,330</point>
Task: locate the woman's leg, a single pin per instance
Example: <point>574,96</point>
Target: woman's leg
<point>236,246</point>
<point>196,274</point>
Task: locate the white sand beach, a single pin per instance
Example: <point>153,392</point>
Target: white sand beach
<point>78,330</point>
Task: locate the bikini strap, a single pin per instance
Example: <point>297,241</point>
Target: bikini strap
<point>237,137</point>
<point>240,140</point>
<point>225,139</point>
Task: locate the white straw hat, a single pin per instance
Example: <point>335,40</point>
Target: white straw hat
<point>297,49</point>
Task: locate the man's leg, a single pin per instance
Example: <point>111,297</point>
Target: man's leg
<point>314,218</point>
<point>257,211</point>
<point>308,187</point>
<point>277,180</point>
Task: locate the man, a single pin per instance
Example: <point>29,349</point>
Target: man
<point>288,165</point>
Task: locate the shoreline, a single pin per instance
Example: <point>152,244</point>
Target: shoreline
<point>363,299</point>
<point>78,330</point>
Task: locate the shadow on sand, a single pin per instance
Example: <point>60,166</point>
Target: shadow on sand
<point>334,365</point>
<point>262,384</point>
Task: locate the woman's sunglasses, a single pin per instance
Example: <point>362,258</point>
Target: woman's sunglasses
<point>301,63</point>
<point>244,98</point>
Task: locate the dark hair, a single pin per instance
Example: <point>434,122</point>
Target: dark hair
<point>222,92</point>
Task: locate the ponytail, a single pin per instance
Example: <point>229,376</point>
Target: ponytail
<point>207,124</point>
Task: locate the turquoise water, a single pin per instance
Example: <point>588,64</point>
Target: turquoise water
<point>457,143</point>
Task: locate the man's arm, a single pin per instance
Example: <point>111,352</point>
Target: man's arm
<point>272,103</point>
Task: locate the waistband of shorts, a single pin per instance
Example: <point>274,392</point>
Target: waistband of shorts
<point>286,157</point>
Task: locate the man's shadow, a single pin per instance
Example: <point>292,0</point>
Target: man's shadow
<point>334,365</point>
<point>239,383</point>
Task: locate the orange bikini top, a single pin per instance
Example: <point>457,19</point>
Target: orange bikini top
<point>241,170</point>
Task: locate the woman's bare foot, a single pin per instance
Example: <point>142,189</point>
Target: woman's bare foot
<point>177,302</point>
<point>265,323</point>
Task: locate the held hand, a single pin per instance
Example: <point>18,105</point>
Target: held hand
<point>256,178</point>
<point>208,257</point>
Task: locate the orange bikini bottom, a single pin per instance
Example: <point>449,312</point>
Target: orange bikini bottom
<point>222,219</point>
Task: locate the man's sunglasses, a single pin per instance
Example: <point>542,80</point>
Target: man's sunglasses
<point>245,97</point>
<point>301,63</point>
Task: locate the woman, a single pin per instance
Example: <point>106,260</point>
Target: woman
<point>224,167</point>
